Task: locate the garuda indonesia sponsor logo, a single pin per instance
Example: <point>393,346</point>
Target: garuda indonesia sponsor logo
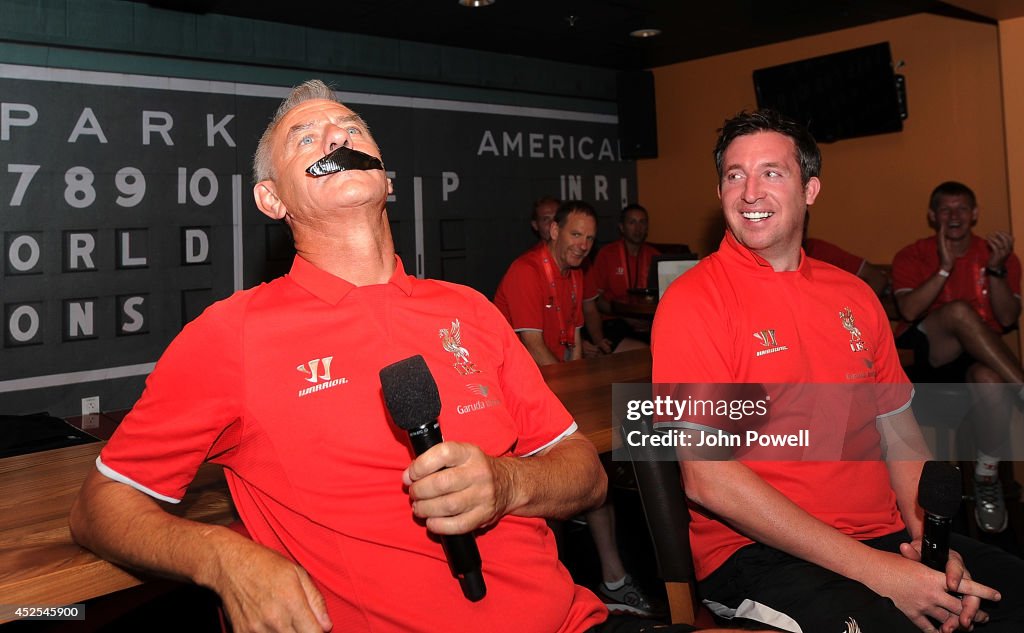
<point>318,372</point>
<point>768,342</point>
<point>482,403</point>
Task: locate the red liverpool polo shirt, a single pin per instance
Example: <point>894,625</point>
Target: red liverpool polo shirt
<point>733,319</point>
<point>914,264</point>
<point>280,385</point>
<point>533,296</point>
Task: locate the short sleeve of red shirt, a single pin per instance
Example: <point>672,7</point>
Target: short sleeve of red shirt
<point>605,264</point>
<point>521,295</point>
<point>832,254</point>
<point>708,369</point>
<point>542,418</point>
<point>190,409</point>
<point>913,265</point>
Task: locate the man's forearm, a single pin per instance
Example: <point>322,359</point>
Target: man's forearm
<point>559,483</point>
<point>915,303</point>
<point>257,586</point>
<point>533,341</point>
<point>127,527</point>
<point>905,476</point>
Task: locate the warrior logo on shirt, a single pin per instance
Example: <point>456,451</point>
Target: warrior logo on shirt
<point>318,371</point>
<point>767,340</point>
<point>857,344</point>
<point>451,341</point>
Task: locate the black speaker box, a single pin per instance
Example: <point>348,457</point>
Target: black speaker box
<point>638,121</point>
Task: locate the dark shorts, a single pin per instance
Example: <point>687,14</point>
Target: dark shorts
<point>816,599</point>
<point>922,370</point>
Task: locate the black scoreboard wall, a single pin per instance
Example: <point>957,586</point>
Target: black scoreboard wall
<point>126,208</point>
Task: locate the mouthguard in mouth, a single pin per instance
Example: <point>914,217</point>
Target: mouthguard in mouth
<point>343,159</point>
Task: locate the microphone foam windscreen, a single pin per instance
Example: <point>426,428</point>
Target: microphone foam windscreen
<point>940,489</point>
<point>410,393</point>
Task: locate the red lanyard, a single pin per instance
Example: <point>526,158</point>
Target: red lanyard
<point>564,336</point>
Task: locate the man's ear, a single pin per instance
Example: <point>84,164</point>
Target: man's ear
<point>811,190</point>
<point>553,231</point>
<point>391,187</point>
<point>932,219</point>
<point>265,193</point>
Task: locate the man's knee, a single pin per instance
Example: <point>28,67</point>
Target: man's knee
<point>979,373</point>
<point>958,313</point>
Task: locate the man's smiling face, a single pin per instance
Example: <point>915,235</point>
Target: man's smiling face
<point>763,198</point>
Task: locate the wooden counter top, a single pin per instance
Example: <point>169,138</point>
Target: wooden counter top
<point>40,564</point>
<point>585,388</point>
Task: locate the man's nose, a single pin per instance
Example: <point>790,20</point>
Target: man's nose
<point>751,190</point>
<point>336,137</point>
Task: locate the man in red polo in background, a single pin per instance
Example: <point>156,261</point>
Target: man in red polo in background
<point>541,295</point>
<point>619,267</point>
<point>959,293</point>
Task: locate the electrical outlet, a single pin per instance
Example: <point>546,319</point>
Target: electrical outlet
<point>90,405</point>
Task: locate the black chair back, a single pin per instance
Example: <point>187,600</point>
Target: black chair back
<point>668,518</point>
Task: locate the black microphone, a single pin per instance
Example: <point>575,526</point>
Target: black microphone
<point>410,394</point>
<point>939,493</point>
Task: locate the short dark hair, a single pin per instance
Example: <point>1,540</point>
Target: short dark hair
<point>808,156</point>
<point>631,207</point>
<point>573,206</point>
<point>951,188</point>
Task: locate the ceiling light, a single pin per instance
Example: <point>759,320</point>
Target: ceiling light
<point>476,3</point>
<point>642,33</point>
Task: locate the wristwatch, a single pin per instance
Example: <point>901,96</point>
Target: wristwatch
<point>996,272</point>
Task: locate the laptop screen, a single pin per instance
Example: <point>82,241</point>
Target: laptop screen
<point>668,267</point>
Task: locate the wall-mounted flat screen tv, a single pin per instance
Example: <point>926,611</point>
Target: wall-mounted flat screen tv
<point>842,95</point>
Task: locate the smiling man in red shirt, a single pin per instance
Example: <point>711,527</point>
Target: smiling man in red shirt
<point>812,545</point>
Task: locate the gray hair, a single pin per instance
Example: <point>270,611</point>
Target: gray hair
<point>313,89</point>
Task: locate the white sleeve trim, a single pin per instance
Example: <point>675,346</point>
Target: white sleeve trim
<point>900,409</point>
<point>110,473</point>
<point>566,433</point>
<point>527,329</point>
